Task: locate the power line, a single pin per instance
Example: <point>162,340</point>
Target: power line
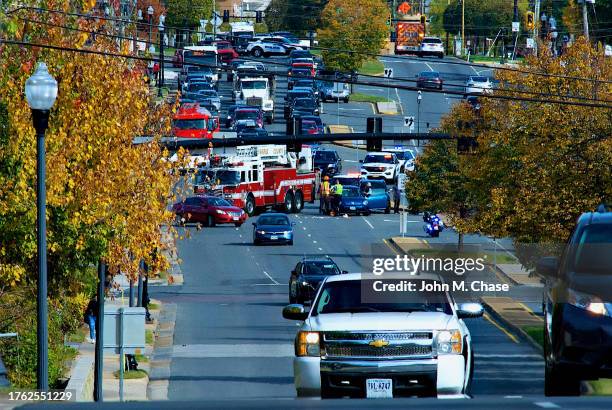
<point>348,81</point>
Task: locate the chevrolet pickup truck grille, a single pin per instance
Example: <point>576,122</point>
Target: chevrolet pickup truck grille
<point>371,336</point>
<point>366,351</point>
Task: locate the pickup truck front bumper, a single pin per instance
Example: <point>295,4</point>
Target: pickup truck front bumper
<point>444,375</point>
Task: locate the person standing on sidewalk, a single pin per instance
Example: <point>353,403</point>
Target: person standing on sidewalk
<point>397,197</point>
<point>90,319</point>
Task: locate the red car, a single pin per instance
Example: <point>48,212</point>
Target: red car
<point>227,55</point>
<point>210,210</point>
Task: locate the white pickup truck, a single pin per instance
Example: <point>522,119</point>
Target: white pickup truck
<point>256,91</point>
<point>348,346</point>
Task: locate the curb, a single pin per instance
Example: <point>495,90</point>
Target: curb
<point>161,357</point>
<point>515,329</point>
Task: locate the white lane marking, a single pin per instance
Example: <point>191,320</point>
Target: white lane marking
<point>546,404</point>
<point>472,67</point>
<point>428,66</point>
<point>478,371</point>
<point>309,235</point>
<point>303,227</point>
<point>399,101</point>
<point>349,160</point>
<point>352,109</point>
<point>268,284</point>
<point>271,278</point>
<point>237,350</point>
<point>482,363</point>
<point>368,222</point>
<point>320,249</point>
<point>513,397</point>
<point>477,355</point>
<point>240,235</point>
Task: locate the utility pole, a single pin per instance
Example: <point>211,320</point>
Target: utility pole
<point>537,22</point>
<point>585,19</point>
<point>515,20</point>
<point>463,27</point>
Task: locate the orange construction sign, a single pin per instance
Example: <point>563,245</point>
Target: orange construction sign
<point>404,8</point>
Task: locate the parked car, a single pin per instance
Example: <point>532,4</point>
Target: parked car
<point>577,306</point>
<point>307,275</point>
<point>209,210</point>
<point>378,195</point>
<point>273,228</point>
<point>429,79</point>
<point>431,46</point>
<point>477,84</point>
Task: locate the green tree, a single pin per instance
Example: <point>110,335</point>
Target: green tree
<point>352,30</point>
<point>188,13</point>
<point>296,16</point>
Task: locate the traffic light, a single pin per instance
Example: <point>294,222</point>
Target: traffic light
<point>530,20</point>
<point>374,126</point>
<point>389,21</point>
<point>258,17</point>
<point>294,127</point>
<point>226,16</point>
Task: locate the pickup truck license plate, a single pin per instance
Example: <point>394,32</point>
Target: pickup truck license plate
<point>274,237</point>
<point>353,208</point>
<point>379,388</point>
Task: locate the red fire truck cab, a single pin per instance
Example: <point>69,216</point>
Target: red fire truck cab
<point>194,121</point>
<point>253,185</point>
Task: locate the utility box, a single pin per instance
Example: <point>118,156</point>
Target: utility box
<point>124,328</point>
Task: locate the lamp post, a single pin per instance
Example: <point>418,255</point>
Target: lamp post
<point>160,30</point>
<point>419,98</point>
<point>150,12</point>
<point>41,92</point>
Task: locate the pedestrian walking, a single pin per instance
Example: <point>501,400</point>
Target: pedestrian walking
<point>90,319</point>
<point>397,197</point>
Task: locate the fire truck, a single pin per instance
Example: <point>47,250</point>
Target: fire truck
<point>258,177</point>
<point>409,34</point>
<point>194,121</point>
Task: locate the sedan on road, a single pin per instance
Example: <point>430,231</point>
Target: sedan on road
<point>273,228</point>
<point>478,85</point>
<point>209,210</point>
<point>307,276</point>
<point>353,201</point>
<point>312,124</point>
<point>429,79</point>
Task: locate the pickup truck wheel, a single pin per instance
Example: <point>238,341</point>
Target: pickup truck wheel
<point>289,202</point>
<point>556,381</point>
<point>298,202</point>
<point>257,52</point>
<point>346,100</point>
<point>249,207</point>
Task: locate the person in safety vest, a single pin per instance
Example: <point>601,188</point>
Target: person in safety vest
<point>325,195</point>
<point>336,191</point>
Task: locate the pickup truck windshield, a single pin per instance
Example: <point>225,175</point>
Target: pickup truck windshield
<point>254,85</point>
<point>345,297</point>
<point>198,124</point>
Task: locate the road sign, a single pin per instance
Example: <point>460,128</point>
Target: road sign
<point>401,182</point>
<point>404,8</point>
<point>530,43</point>
<point>409,122</point>
<point>388,72</point>
<point>516,26</point>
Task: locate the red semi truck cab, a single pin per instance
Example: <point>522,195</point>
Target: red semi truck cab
<point>194,121</point>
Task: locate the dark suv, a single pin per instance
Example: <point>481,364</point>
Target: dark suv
<point>577,306</point>
<point>307,276</point>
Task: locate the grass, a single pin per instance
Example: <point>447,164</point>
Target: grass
<point>149,337</point>
<point>132,374</point>
<point>153,306</point>
<point>372,67</point>
<point>485,59</point>
<point>536,333</point>
<point>141,358</point>
<point>78,336</point>
<point>361,97</point>
<point>602,387</point>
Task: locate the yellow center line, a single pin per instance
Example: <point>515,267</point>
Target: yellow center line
<point>497,325</point>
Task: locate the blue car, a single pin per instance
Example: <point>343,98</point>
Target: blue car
<point>378,198</point>
<point>353,201</point>
<point>273,228</point>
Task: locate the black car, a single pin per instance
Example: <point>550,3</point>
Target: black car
<point>304,106</point>
<point>297,74</point>
<point>307,276</point>
<point>328,161</point>
<point>292,95</point>
<point>577,306</point>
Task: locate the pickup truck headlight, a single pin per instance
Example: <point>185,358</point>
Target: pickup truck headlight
<point>308,344</point>
<point>449,342</point>
<point>589,302</point>
<point>365,202</point>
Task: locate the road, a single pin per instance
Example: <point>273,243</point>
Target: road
<point>230,338</point>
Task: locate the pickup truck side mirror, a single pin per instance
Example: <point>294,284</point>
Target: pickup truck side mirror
<point>469,310</point>
<point>548,266</point>
<point>295,312</point>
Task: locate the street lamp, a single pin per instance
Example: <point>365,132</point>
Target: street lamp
<point>150,12</point>
<point>41,92</point>
<point>160,29</point>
